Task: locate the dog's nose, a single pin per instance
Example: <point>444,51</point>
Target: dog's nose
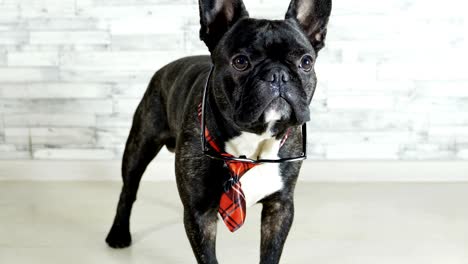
<point>277,76</point>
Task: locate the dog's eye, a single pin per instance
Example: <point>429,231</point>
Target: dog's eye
<point>240,62</point>
<point>306,63</point>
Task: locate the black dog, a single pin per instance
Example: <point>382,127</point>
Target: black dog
<point>260,89</point>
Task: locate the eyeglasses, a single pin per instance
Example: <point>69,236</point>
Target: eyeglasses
<point>208,151</point>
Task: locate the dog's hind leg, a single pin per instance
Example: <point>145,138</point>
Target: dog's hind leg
<point>148,135</point>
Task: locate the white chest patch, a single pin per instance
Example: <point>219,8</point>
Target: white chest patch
<point>261,180</point>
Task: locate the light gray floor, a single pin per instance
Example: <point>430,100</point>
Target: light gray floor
<point>57,222</point>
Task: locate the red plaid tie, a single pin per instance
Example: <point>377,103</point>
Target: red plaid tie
<point>232,206</point>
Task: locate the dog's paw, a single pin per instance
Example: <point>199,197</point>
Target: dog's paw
<point>119,237</point>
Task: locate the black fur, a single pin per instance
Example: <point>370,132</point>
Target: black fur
<point>167,116</point>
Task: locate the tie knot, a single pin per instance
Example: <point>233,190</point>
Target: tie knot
<point>230,183</point>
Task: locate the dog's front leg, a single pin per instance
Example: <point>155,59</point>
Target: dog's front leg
<point>277,218</point>
<point>201,231</point>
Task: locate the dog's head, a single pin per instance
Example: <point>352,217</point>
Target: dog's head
<point>264,69</point>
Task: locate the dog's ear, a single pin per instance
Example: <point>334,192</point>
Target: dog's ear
<point>312,16</point>
<point>216,17</point>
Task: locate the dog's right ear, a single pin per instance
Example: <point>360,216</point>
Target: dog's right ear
<point>216,17</point>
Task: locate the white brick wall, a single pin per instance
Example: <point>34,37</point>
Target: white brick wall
<point>393,80</point>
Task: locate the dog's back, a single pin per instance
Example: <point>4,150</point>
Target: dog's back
<point>173,85</point>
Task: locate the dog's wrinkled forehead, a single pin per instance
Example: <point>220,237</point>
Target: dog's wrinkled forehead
<point>266,38</point>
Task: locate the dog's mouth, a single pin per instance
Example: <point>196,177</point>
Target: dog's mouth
<point>278,115</point>
<point>279,109</point>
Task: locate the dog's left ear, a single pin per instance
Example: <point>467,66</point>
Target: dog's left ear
<point>312,16</point>
<point>216,17</point>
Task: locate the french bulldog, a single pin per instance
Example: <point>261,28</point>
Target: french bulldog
<point>260,78</point>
